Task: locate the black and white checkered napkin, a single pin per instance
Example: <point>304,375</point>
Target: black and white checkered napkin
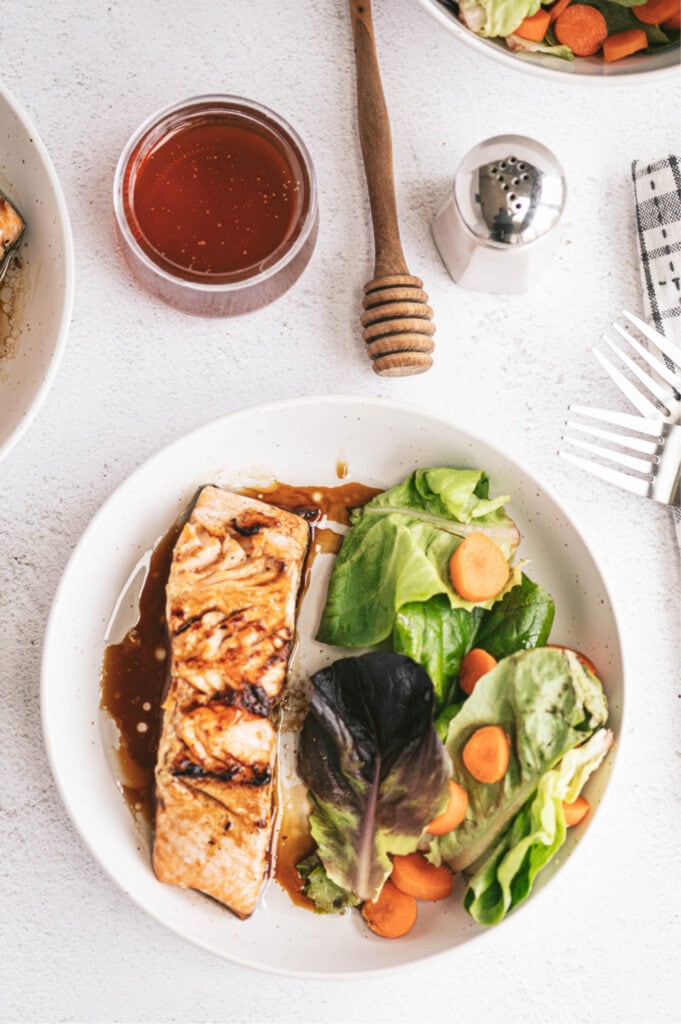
<point>657,189</point>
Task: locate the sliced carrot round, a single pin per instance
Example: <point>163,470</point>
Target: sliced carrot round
<point>417,877</point>
<point>393,914</point>
<point>453,814</point>
<point>654,12</point>
<point>582,28</point>
<point>476,664</point>
<point>576,811</point>
<point>478,568</point>
<point>486,754</point>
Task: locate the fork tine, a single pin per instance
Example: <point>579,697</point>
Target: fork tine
<point>652,427</point>
<point>671,350</point>
<point>661,393</point>
<point>637,444</point>
<point>621,458</point>
<point>664,371</point>
<point>638,400</point>
<point>613,476</point>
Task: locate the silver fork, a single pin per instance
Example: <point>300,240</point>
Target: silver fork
<point>657,398</point>
<point>651,465</point>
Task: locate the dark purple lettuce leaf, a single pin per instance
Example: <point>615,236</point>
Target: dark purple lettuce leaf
<point>376,769</point>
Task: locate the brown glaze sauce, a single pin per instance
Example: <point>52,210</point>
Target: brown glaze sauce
<point>135,672</point>
<point>134,681</point>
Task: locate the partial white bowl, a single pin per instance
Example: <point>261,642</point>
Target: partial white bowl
<point>584,70</point>
<point>36,298</point>
<point>298,442</point>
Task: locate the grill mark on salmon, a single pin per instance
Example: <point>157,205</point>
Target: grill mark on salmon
<point>230,605</point>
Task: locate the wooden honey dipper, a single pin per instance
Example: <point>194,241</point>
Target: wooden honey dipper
<point>397,322</point>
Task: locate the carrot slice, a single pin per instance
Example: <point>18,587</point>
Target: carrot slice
<point>453,814</point>
<point>535,26</point>
<point>417,877</point>
<point>558,9</point>
<point>622,44</point>
<point>673,24</point>
<point>586,662</point>
<point>476,664</point>
<point>582,28</point>
<point>576,811</point>
<point>478,568</point>
<point>654,12</point>
<point>393,914</point>
<point>487,753</point>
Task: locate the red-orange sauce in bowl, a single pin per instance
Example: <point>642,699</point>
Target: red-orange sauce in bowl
<point>214,197</point>
<point>216,205</point>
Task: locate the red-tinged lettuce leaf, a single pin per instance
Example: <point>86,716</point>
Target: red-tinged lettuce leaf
<point>376,769</point>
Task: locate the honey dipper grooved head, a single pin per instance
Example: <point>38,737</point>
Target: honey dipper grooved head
<point>398,325</point>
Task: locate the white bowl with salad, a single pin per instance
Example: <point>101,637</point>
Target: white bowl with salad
<point>605,40</point>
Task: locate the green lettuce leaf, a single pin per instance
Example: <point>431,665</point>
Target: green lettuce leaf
<point>495,17</point>
<point>546,703</point>
<point>533,837</point>
<point>438,636</point>
<point>376,770</point>
<point>328,897</point>
<point>548,48</point>
<point>522,619</point>
<point>398,550</point>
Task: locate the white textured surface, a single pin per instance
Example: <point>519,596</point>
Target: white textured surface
<point>602,943</point>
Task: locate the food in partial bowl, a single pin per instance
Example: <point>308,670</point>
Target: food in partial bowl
<point>37,289</point>
<point>606,38</point>
<point>12,227</point>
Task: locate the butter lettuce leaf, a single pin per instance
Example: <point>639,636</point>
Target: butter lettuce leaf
<point>492,18</point>
<point>398,549</point>
<point>376,770</point>
<point>533,837</point>
<point>549,49</point>
<point>547,703</point>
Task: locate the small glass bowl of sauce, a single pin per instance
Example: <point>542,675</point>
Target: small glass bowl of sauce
<point>216,205</point>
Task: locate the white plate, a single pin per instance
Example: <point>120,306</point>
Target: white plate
<point>38,297</point>
<point>583,70</point>
<point>299,442</point>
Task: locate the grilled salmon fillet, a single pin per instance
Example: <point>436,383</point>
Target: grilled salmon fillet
<point>230,606</point>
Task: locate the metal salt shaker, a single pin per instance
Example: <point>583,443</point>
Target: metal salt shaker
<point>498,227</point>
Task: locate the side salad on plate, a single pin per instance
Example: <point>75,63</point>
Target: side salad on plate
<point>571,28</point>
<point>457,742</point>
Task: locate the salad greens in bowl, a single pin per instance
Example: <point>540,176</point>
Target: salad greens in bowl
<point>587,39</point>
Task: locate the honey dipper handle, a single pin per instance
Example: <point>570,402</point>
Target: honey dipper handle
<point>376,142</point>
